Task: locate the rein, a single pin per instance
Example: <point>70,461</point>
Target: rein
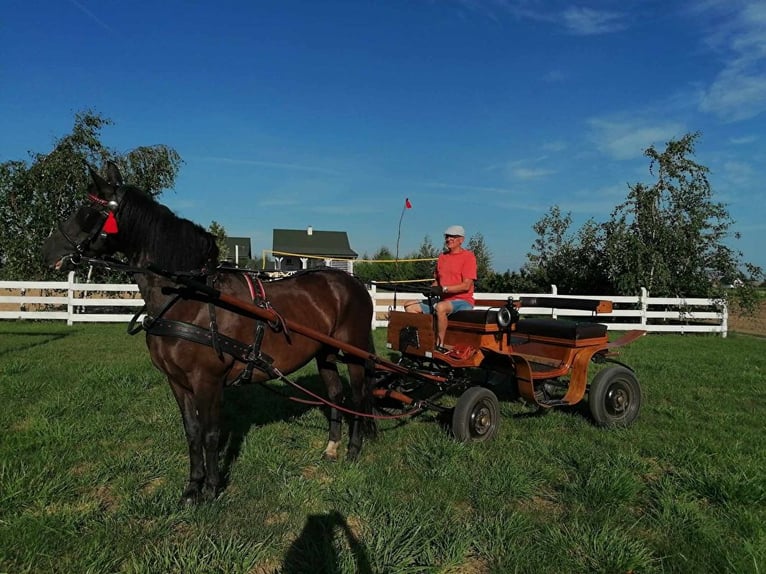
<point>250,355</point>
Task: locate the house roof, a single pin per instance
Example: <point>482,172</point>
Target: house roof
<point>244,247</point>
<point>313,242</point>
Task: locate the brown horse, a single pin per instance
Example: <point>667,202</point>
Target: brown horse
<point>121,218</point>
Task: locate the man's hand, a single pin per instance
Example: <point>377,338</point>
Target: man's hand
<point>437,290</point>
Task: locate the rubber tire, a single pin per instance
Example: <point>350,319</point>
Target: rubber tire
<point>476,417</point>
<point>614,397</point>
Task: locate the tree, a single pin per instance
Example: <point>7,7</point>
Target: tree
<point>669,236</point>
<point>35,196</point>
<point>573,261</point>
<point>483,260</point>
<point>220,239</point>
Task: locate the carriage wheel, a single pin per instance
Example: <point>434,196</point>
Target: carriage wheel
<point>614,397</point>
<point>476,416</point>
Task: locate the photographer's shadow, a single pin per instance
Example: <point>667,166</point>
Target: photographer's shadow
<point>316,548</point>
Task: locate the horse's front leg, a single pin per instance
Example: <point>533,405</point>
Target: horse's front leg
<point>208,400</point>
<point>193,431</point>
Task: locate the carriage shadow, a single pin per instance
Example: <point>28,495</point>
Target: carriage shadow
<point>256,405</point>
<point>316,548</point>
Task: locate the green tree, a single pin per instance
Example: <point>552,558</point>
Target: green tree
<point>483,260</point>
<point>571,260</point>
<point>220,239</point>
<point>36,195</point>
<point>669,236</point>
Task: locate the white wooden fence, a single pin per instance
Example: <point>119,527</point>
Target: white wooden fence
<point>73,302</point>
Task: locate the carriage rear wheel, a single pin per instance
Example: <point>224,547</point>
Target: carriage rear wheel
<point>614,397</point>
<point>476,416</point>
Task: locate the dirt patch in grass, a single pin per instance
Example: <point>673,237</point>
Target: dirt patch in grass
<point>755,325</point>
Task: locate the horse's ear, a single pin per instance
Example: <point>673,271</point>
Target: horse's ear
<point>100,182</point>
<point>113,175</point>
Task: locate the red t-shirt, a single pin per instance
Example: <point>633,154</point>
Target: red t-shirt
<point>454,268</point>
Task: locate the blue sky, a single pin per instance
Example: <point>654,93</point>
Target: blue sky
<point>485,113</point>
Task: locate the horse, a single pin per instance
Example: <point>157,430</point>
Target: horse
<point>123,219</point>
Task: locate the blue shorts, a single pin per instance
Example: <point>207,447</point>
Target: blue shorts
<point>457,305</point>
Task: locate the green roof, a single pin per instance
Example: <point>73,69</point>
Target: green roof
<point>296,242</point>
<point>244,247</point>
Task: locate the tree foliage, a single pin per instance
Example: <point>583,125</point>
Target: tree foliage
<point>668,236</point>
<point>36,194</point>
<point>219,232</point>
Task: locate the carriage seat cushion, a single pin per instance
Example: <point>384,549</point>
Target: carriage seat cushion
<point>561,329</point>
<point>475,316</point>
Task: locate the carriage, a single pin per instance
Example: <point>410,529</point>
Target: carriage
<point>542,361</point>
<point>208,327</point>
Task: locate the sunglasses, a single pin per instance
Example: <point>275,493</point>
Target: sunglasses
<point>451,237</point>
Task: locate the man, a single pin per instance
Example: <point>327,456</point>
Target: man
<point>453,282</point>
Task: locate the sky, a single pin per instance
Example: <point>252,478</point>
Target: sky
<point>484,113</point>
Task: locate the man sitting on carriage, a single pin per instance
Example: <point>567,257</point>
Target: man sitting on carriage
<point>453,283</point>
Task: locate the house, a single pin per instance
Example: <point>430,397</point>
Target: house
<point>295,249</point>
<point>238,251</point>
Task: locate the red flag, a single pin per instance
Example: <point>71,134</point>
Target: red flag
<point>407,203</point>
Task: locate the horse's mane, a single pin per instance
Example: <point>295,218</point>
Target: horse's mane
<point>172,242</point>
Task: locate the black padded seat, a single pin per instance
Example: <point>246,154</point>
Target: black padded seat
<point>561,329</point>
<point>475,317</point>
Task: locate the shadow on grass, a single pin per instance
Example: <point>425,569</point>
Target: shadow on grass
<point>39,339</point>
<point>315,549</point>
<point>256,405</point>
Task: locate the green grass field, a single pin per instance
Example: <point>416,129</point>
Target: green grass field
<point>93,460</point>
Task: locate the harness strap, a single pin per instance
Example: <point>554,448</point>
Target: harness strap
<point>196,334</point>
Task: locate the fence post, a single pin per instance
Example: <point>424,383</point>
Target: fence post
<point>644,305</point>
<point>70,298</point>
<point>725,320</point>
<point>554,291</point>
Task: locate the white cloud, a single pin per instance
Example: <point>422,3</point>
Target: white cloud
<point>627,139</point>
<point>527,173</point>
<point>738,31</point>
<point>744,140</point>
<point>588,22</point>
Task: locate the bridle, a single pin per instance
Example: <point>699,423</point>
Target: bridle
<point>106,226</point>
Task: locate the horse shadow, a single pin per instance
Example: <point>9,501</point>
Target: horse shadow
<point>316,548</point>
<point>38,340</point>
<point>255,405</point>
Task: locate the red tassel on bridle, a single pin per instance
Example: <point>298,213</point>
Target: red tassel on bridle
<point>110,225</point>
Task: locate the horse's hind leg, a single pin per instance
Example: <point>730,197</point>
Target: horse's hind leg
<point>328,370</point>
<point>360,379</point>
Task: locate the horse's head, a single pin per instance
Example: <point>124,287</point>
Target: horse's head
<point>92,230</point>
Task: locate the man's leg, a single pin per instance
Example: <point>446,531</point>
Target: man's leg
<point>443,308</point>
<point>413,306</point>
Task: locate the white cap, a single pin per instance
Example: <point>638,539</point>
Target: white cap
<point>455,230</point>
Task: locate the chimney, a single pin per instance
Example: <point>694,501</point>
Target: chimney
<point>310,230</point>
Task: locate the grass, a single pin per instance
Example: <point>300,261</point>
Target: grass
<point>93,460</point>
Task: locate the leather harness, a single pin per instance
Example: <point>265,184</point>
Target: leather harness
<point>251,355</point>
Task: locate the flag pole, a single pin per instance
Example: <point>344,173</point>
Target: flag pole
<point>407,205</point>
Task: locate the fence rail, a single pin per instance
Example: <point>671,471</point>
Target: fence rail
<point>75,302</point>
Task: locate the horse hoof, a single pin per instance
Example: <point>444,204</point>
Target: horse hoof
<point>352,455</point>
<point>331,457</point>
<point>190,499</point>
<point>191,496</point>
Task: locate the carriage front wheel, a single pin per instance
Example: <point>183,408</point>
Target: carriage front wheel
<point>614,397</point>
<point>476,416</point>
